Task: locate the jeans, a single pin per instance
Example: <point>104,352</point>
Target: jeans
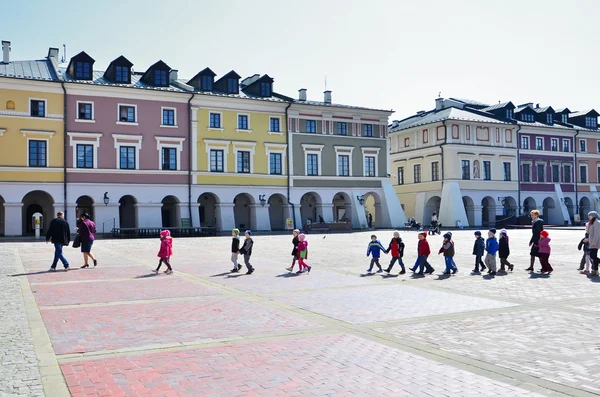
<point>450,266</point>
<point>478,262</point>
<point>58,254</point>
<point>393,261</point>
<point>424,265</point>
<point>374,261</point>
<point>247,262</point>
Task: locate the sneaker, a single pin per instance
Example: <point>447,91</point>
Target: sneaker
<point>584,272</point>
<point>475,272</point>
<point>511,267</point>
<point>380,271</point>
<point>154,271</point>
<point>289,269</point>
<point>431,271</point>
<point>250,271</point>
<point>52,269</point>
<point>234,270</point>
<point>239,267</point>
<point>492,273</point>
<point>169,272</point>
<point>368,271</point>
<point>483,267</point>
<point>387,271</point>
<point>309,268</point>
<point>67,269</point>
<point>446,273</point>
<point>454,271</point>
<point>402,271</point>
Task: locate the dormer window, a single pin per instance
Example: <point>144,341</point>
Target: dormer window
<point>160,78</point>
<point>83,70</point>
<point>232,86</point>
<point>591,122</point>
<point>265,89</point>
<point>207,83</point>
<point>509,114</point>
<point>121,74</point>
<point>565,118</point>
<point>528,117</point>
<point>549,119</point>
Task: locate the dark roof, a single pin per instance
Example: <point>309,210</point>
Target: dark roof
<point>470,102</point>
<point>232,75</point>
<point>451,113</point>
<point>499,106</point>
<point>526,106</point>
<point>35,70</point>
<point>563,110</point>
<point>589,112</point>
<point>203,72</point>
<point>122,61</point>
<point>99,79</point>
<point>544,109</point>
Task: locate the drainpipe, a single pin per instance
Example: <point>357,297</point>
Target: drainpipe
<point>575,172</point>
<point>442,157</point>
<point>190,159</point>
<point>287,151</point>
<point>62,84</point>
<point>518,138</point>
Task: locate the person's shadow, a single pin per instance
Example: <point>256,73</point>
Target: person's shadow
<point>42,272</point>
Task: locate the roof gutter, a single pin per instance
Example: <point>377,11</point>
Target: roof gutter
<point>518,169</point>
<point>190,159</point>
<point>288,168</point>
<point>62,84</point>
<point>576,171</point>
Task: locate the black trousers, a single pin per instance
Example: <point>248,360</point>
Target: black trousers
<point>594,256</point>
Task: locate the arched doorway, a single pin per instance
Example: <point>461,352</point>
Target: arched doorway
<point>551,213</point>
<point>309,207</point>
<point>432,205</point>
<point>488,211</point>
<point>85,204</point>
<point>373,207</point>
<point>585,206</point>
<point>342,207</point>
<point>276,212</point>
<point>242,211</point>
<point>469,205</point>
<point>529,205</point>
<point>208,210</point>
<point>570,208</point>
<point>171,212</point>
<point>2,217</point>
<point>128,212</point>
<point>37,201</point>
<point>509,207</point>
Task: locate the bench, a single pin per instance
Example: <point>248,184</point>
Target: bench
<point>327,227</point>
<point>153,232</point>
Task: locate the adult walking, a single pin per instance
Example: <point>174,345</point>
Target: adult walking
<point>59,233</point>
<point>537,225</point>
<point>594,240</point>
<point>87,231</point>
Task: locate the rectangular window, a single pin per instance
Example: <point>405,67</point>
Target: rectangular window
<point>127,114</point>
<point>555,173</point>
<point>38,108</point>
<point>83,70</point>
<point>127,157</point>
<point>243,162</point>
<point>507,176</point>
<point>274,124</point>
<point>539,143</point>
<point>524,142</point>
<point>169,159</point>
<point>466,169</point>
<point>242,122</point>
<point>582,145</point>
<point>343,165</point>
<point>417,173</point>
<point>583,173</point>
<point>435,171</point>
<point>400,175</point>
<point>207,83</point>
<point>370,166</point>
<point>275,164</point>
<point>84,111</point>
<point>368,130</point>
<point>85,156</point>
<point>591,122</point>
<point>265,89</point>
<point>160,78</point>
<point>527,117</point>
<point>342,129</point>
<point>312,164</point>
<point>311,126</point>
<point>526,173</point>
<point>37,153</point>
<point>121,74</point>
<point>215,120</point>
<point>549,119</point>
<point>487,170</point>
<point>566,147</point>
<point>168,117</point>
<point>554,145</point>
<point>598,145</point>
<point>565,118</point>
<point>598,174</point>
<point>567,174</point>
<point>509,114</point>
<point>216,160</point>
<point>541,170</point>
<point>232,86</point>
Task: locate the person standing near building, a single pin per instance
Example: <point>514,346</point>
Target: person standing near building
<point>537,225</point>
<point>59,233</point>
<point>87,231</point>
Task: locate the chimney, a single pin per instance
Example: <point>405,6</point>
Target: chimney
<point>53,53</point>
<point>439,103</point>
<point>327,98</point>
<point>302,94</point>
<point>5,51</point>
<point>173,75</point>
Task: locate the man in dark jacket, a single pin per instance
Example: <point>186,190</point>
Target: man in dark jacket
<point>60,234</point>
<point>537,225</point>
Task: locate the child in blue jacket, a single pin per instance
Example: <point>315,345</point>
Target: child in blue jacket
<point>375,249</point>
<point>491,246</point>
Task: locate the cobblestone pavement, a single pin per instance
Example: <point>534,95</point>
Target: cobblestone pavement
<point>119,330</point>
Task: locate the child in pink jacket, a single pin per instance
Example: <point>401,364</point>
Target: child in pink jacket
<point>165,252</point>
<point>544,252</point>
<point>303,254</point>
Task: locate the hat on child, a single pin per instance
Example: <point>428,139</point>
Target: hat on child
<point>236,232</point>
<point>248,232</point>
<point>301,236</point>
<point>296,231</point>
<point>504,232</point>
<point>448,235</point>
<point>477,233</point>
<point>492,230</point>
<point>544,233</point>
<point>165,233</point>
<point>424,234</point>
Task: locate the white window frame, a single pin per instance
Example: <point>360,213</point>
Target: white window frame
<point>543,143</point>
<point>138,146</point>
<point>237,121</point>
<point>279,148</point>
<point>431,163</point>
<point>213,144</point>
<point>38,136</point>
<point>92,120</point>
<point>564,173</point>
<point>45,107</point>
<point>510,164</point>
<point>280,132</point>
<point>162,109</point>
<point>554,140</point>
<point>47,140</point>
<point>373,152</point>
<point>598,146</point>
<point>243,146</point>
<point>75,139</point>
<point>221,118</point>
<point>119,114</point>
<point>313,149</point>
<point>537,174</point>
<point>584,144</point>
<point>169,142</point>
<point>587,173</point>
<point>530,164</point>
<point>568,145</point>
<point>528,142</point>
<point>343,151</point>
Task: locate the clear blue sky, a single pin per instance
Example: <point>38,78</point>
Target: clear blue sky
<point>391,54</point>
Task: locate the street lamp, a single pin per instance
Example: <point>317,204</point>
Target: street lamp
<point>361,199</point>
<point>262,200</point>
<point>105,198</point>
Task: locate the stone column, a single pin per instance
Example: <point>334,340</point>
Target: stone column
<point>225,216</point>
<point>13,219</point>
<point>259,217</point>
<point>70,216</point>
<point>149,215</point>
<point>195,215</point>
<point>477,216</point>
<point>107,217</point>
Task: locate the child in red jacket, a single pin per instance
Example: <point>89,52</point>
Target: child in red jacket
<point>397,248</point>
<point>424,251</point>
<point>165,252</point>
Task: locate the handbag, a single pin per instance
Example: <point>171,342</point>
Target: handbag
<point>77,241</point>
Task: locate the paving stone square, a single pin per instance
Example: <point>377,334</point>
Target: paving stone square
<point>93,273</point>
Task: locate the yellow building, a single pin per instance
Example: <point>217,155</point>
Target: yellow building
<point>31,142</point>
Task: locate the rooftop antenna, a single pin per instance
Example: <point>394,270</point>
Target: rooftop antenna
<point>64,57</point>
<point>440,94</point>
